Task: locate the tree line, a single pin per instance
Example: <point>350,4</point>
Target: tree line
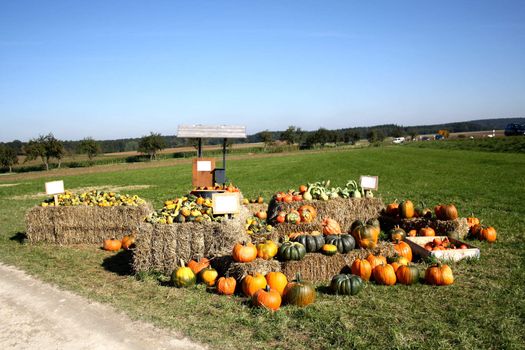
<point>48,149</point>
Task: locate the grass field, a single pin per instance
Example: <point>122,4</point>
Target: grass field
<point>485,308</point>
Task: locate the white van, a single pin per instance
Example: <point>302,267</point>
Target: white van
<point>398,140</point>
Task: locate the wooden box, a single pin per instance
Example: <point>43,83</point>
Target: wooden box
<point>417,244</point>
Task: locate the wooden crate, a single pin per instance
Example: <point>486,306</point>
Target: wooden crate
<point>417,244</point>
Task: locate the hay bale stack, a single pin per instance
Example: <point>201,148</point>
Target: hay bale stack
<point>255,207</point>
<point>83,224</point>
<point>316,267</point>
<point>441,227</point>
<point>239,270</point>
<point>159,247</point>
<point>344,210</point>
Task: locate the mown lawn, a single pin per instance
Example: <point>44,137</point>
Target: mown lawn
<point>485,308</point>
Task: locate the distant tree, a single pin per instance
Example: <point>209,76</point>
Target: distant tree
<point>267,138</point>
<point>397,132</point>
<point>375,136</point>
<point>291,135</point>
<point>351,136</point>
<point>151,144</point>
<point>322,136</point>
<point>45,148</point>
<point>413,135</point>
<point>8,157</point>
<point>90,147</point>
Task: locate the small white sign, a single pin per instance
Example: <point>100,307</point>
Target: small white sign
<point>203,165</point>
<point>55,187</point>
<point>226,203</point>
<point>369,182</point>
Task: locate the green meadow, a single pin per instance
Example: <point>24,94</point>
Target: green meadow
<point>484,308</point>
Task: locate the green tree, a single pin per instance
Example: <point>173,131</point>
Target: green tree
<point>375,136</point>
<point>266,137</point>
<point>151,144</point>
<point>351,137</point>
<point>45,147</point>
<point>8,157</point>
<point>291,135</point>
<point>90,147</point>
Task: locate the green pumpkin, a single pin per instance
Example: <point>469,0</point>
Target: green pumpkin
<point>344,243</point>
<point>292,251</point>
<point>312,242</point>
<point>183,277</point>
<point>346,284</point>
<point>397,234</point>
<point>299,292</point>
<point>329,249</point>
<point>366,236</point>
<point>356,224</point>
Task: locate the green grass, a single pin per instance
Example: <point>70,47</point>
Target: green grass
<point>485,307</point>
<point>514,144</point>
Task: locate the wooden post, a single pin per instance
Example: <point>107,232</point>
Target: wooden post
<point>56,200</point>
<point>199,151</point>
<point>224,155</point>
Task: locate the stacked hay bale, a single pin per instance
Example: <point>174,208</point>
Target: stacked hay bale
<point>160,247</point>
<point>343,210</point>
<point>83,224</point>
<point>317,267</point>
<point>442,227</point>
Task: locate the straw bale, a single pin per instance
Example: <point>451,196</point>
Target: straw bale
<point>83,224</point>
<point>316,267</point>
<point>255,207</point>
<point>344,210</point>
<point>239,270</point>
<point>441,227</point>
<point>163,246</point>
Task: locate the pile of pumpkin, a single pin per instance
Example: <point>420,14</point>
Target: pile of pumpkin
<point>93,198</point>
<point>189,208</point>
<point>114,245</point>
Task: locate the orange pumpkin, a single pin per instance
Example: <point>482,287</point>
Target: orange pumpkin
<point>376,260</point>
<point>384,274</point>
<point>331,227</point>
<point>412,233</point>
<point>487,234</point>
<point>362,268</point>
<point>475,230</point>
<point>471,221</point>
<point>252,283</point>
<point>197,266</point>
<point>407,274</point>
<point>112,245</point>
<point>226,285</point>
<point>395,265</point>
<point>446,212</point>
<point>208,276</point>
<point>427,231</point>
<point>392,209</point>
<point>267,298</point>
<point>403,249</point>
<point>128,241</point>
<point>307,213</point>
<point>439,275</point>
<point>276,281</point>
<point>406,209</point>
<point>245,252</point>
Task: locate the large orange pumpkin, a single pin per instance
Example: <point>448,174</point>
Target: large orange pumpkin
<point>376,260</point>
<point>362,268</point>
<point>112,244</point>
<point>403,249</point>
<point>331,227</point>
<point>252,283</point>
<point>487,234</point>
<point>384,274</point>
<point>267,298</point>
<point>439,275</point>
<point>407,274</point>
<point>446,212</point>
<point>226,285</point>
<point>245,252</point>
<point>276,281</point>
<point>406,209</point>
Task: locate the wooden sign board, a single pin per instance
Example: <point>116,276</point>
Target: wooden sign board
<point>369,182</point>
<point>203,172</point>
<point>226,203</point>
<point>55,187</point>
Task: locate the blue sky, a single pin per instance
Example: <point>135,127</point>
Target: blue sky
<point>114,69</point>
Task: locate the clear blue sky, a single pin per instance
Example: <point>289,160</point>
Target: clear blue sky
<point>113,69</point>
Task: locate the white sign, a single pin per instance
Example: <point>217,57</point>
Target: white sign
<point>226,203</point>
<point>55,187</point>
<point>369,182</point>
<point>203,165</point>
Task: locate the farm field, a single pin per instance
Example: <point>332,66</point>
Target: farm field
<point>484,308</point>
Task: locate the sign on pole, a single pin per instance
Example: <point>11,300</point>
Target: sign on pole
<point>226,203</point>
<point>55,188</point>
<point>369,182</point>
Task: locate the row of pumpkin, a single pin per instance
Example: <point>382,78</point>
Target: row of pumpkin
<point>271,290</point>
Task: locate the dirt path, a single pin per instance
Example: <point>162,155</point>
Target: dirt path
<point>36,315</point>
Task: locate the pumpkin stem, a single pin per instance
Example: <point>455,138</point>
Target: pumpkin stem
<point>182,264</point>
<point>267,288</point>
<point>298,277</point>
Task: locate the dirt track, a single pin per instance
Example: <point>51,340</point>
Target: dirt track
<point>35,315</point>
